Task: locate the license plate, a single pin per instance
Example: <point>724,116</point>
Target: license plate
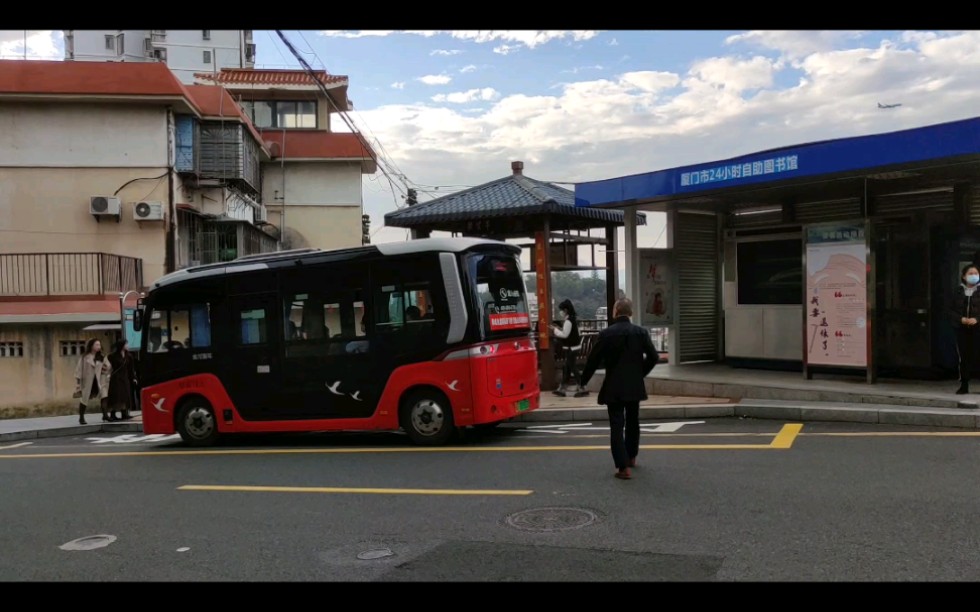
<point>523,405</point>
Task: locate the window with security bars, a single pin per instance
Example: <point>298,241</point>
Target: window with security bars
<point>72,348</point>
<point>11,349</point>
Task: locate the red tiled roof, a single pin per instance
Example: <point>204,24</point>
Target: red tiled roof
<point>252,76</point>
<point>215,101</point>
<point>317,144</point>
<point>88,78</point>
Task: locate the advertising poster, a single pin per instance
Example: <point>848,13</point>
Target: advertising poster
<point>655,288</point>
<point>836,304</point>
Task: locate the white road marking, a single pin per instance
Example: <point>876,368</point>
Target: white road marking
<point>572,427</point>
<point>16,445</point>
<point>129,438</point>
<point>183,549</point>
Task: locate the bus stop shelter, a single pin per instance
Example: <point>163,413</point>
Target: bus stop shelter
<point>518,207</point>
<point>836,256</point>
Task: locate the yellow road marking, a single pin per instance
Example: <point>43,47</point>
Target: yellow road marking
<point>258,489</point>
<point>784,439</point>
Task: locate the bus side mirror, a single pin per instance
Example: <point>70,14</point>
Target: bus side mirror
<point>137,320</point>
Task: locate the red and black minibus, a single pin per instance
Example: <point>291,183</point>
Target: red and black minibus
<point>425,336</point>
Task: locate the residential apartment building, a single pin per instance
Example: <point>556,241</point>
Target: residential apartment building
<point>186,52</point>
<point>112,174</point>
<point>313,188</point>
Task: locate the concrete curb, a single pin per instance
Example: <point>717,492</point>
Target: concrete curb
<point>801,411</point>
<point>72,430</point>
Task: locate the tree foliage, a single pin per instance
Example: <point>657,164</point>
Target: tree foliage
<point>587,292</point>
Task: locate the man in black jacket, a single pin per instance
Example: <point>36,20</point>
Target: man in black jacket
<point>627,354</point>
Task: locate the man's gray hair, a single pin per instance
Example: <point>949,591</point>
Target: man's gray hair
<point>623,308</point>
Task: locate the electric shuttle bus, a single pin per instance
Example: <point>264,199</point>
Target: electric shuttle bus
<point>425,336</point>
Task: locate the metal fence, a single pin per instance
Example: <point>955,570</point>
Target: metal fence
<point>589,330</point>
<point>38,274</point>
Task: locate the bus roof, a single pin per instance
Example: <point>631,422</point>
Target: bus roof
<point>250,263</point>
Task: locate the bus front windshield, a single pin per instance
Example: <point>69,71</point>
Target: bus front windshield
<point>501,295</point>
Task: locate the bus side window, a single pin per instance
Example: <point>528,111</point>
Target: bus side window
<point>180,327</point>
<point>252,326</point>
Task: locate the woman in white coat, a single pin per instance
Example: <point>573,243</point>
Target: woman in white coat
<point>91,380</point>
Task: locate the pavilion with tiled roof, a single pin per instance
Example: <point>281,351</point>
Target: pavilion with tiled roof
<point>520,207</point>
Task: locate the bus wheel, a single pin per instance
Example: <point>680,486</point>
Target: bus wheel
<point>197,424</point>
<point>427,418</point>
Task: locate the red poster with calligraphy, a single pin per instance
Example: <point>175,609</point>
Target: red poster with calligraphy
<point>540,254</point>
<point>836,304</point>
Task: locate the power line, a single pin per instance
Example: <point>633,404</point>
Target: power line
<point>342,112</point>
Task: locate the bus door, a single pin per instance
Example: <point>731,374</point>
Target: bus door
<point>327,365</point>
<point>253,376</point>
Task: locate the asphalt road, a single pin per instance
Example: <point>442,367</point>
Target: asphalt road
<point>715,500</point>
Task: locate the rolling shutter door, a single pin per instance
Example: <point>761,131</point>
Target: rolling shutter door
<point>696,252</point>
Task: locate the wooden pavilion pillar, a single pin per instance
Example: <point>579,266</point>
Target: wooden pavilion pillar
<point>612,269</point>
<point>542,266</point>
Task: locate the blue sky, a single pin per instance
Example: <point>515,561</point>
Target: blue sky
<point>455,108</point>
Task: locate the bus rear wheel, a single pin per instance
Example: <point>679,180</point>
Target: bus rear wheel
<point>427,418</point>
<point>197,424</point>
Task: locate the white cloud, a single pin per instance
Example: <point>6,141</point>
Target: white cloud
<point>41,44</point>
<point>521,38</point>
<point>506,49</point>
<point>398,85</point>
<point>446,52</point>
<point>466,69</point>
<point>435,79</point>
<point>356,33</point>
<point>613,43</point>
<point>485,94</point>
<point>578,69</point>
<point>794,43</point>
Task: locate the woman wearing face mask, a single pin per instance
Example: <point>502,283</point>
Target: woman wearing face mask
<point>964,313</point>
<point>570,339</point>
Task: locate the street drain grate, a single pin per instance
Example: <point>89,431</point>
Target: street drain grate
<point>89,542</point>
<point>551,519</point>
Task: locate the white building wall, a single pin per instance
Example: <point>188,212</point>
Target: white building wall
<point>90,45</point>
<point>312,183</point>
<point>184,49</point>
<point>82,135</point>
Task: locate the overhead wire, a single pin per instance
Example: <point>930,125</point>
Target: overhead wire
<point>342,112</point>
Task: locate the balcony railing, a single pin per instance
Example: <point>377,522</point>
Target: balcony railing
<point>42,274</point>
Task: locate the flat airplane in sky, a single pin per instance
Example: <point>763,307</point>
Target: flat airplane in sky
<point>880,105</point>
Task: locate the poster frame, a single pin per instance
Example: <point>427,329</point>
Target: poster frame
<point>665,255</point>
<point>869,328</point>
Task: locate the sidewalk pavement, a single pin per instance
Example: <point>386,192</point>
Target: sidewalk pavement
<point>573,409</point>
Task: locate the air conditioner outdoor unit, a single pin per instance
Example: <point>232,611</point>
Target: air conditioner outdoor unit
<point>160,54</point>
<point>261,214</point>
<point>104,206</point>
<point>148,211</point>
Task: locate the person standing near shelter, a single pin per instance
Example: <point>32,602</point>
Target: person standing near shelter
<point>571,342</point>
<point>964,314</point>
<point>627,354</point>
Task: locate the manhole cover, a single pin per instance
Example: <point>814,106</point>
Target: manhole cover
<point>89,542</point>
<point>551,519</point>
<point>378,553</point>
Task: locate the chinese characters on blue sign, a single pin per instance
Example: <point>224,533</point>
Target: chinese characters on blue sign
<point>735,171</point>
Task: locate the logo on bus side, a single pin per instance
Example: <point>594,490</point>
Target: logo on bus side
<point>507,294</point>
